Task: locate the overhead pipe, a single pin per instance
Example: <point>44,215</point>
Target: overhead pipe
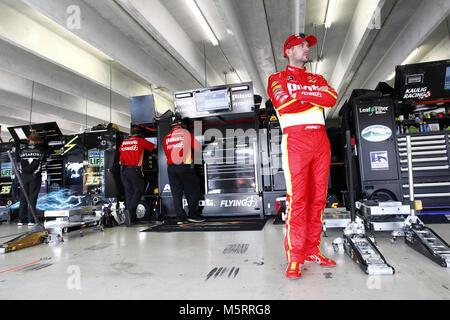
<point>299,12</point>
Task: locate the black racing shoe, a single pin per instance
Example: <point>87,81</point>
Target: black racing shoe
<point>127,218</point>
<point>182,222</point>
<point>197,219</point>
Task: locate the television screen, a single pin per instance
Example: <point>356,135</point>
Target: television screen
<point>447,79</point>
<point>96,158</point>
<point>6,170</point>
<point>142,109</point>
<point>212,100</point>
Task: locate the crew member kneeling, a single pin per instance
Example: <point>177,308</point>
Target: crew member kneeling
<point>131,155</point>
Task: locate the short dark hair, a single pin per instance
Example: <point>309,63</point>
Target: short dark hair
<point>136,131</point>
<point>178,121</point>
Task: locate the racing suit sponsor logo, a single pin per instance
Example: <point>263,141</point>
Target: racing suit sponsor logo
<point>175,139</point>
<point>130,148</point>
<point>127,142</point>
<point>292,87</point>
<point>312,127</point>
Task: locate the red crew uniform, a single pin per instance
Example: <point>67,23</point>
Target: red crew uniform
<point>299,99</point>
<point>131,156</point>
<point>132,151</point>
<point>178,145</point>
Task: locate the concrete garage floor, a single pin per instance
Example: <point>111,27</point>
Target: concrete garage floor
<point>124,263</point>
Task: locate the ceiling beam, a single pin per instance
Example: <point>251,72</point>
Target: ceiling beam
<point>29,66</point>
<point>162,26</point>
<point>354,40</point>
<point>108,28</point>
<point>425,20</point>
<point>230,19</point>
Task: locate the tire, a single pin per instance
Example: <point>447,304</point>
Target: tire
<point>383,195</point>
<point>143,211</point>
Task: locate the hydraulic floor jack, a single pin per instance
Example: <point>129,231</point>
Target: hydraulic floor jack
<point>360,247</point>
<point>417,235</point>
<point>30,238</point>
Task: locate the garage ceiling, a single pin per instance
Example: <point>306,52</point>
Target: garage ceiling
<point>77,62</point>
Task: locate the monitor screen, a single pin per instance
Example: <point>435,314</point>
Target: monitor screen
<point>212,100</point>
<point>96,158</point>
<point>447,78</point>
<point>142,109</point>
<point>6,169</point>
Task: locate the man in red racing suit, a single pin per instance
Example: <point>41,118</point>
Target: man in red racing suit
<point>299,99</point>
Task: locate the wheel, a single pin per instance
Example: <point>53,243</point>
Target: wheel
<point>393,240</point>
<point>143,211</point>
<point>146,211</point>
<point>383,195</point>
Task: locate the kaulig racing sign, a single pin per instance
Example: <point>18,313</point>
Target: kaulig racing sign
<point>417,93</point>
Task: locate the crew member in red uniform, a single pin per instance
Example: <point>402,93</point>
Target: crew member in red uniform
<point>131,156</point>
<point>179,144</point>
<point>299,99</point>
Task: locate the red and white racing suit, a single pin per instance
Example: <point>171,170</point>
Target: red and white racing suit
<point>299,98</point>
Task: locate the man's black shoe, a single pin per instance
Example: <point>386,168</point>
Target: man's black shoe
<point>127,218</point>
<point>197,219</point>
<point>182,222</point>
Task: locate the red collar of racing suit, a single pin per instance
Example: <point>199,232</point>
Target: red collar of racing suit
<point>295,71</point>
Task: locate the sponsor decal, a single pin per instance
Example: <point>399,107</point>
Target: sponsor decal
<point>376,133</point>
<point>379,160</point>
<point>130,148</point>
<point>417,93</point>
<point>201,203</point>
<point>166,188</point>
<point>312,127</point>
<point>241,96</point>
<point>292,87</point>
<point>374,110</point>
<point>247,202</point>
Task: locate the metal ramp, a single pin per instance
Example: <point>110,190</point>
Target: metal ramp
<point>356,243</point>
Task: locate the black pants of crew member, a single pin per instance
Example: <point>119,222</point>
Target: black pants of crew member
<point>31,185</point>
<point>134,184</point>
<point>182,178</point>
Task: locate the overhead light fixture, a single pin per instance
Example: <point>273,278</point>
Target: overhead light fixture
<point>201,19</point>
<point>330,12</point>
<point>411,55</point>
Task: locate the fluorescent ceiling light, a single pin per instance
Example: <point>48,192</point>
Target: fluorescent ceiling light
<point>201,19</point>
<point>330,12</point>
<point>411,55</point>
